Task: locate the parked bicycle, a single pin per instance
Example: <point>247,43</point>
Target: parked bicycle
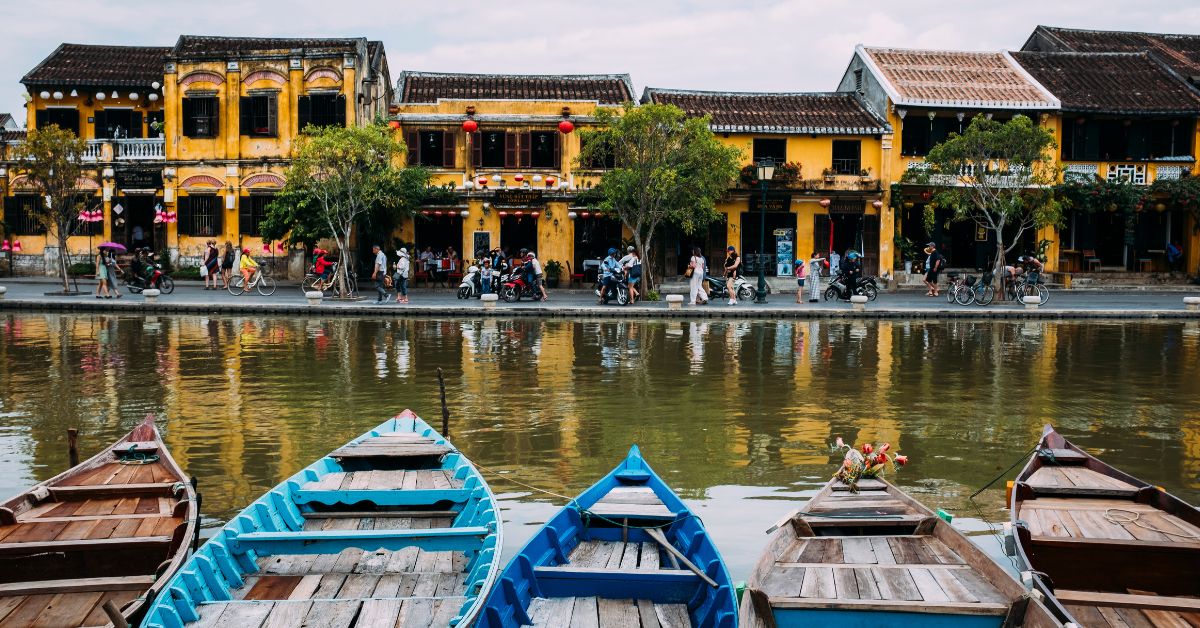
<point>330,286</point>
<point>260,280</point>
<point>1028,285</point>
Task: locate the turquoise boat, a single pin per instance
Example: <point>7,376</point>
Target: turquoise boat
<point>875,557</point>
<point>627,552</point>
<point>396,525</point>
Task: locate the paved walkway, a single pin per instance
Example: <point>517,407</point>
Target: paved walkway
<point>189,297</point>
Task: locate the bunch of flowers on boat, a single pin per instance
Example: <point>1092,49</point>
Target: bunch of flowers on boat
<point>865,462</point>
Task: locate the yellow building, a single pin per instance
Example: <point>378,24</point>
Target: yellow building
<point>110,96</point>
<point>234,108</point>
<point>825,195</point>
<point>927,95</point>
<point>508,146</point>
<point>190,142</point>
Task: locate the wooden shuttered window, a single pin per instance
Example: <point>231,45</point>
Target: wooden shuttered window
<point>201,116</point>
<point>117,123</point>
<point>526,149</point>
<point>412,140</point>
<point>259,115</point>
<point>200,215</point>
<point>541,149</point>
<point>511,157</point>
<point>64,118</point>
<point>476,150</point>
<point>435,149</point>
<point>252,210</point>
<point>449,145</point>
<point>19,214</point>
<point>321,110</point>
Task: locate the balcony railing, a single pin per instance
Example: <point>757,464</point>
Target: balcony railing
<point>1137,173</point>
<point>94,151</point>
<point>140,149</point>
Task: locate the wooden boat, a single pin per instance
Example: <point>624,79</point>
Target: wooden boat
<point>627,552</point>
<point>1110,549</point>
<point>110,530</point>
<point>395,526</point>
<point>879,558</point>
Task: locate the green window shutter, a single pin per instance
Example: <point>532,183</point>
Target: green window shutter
<point>246,121</point>
<point>303,112</point>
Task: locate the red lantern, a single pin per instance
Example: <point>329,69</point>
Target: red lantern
<point>426,212</point>
<point>503,214</point>
<point>437,213</point>
<point>279,246</point>
<point>16,246</point>
<point>482,181</point>
<point>550,181</point>
<point>518,213</point>
<point>395,124</point>
<point>470,126</point>
<point>266,247</point>
<point>535,214</point>
<point>566,126</point>
<point>926,195</point>
<point>585,214</point>
<point>5,246</point>
<point>518,178</point>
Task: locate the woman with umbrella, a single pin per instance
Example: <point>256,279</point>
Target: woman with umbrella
<point>102,277</point>
<point>108,254</point>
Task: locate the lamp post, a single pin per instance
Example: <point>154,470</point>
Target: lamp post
<point>766,171</point>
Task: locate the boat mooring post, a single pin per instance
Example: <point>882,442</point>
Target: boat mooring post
<point>73,446</point>
<point>445,410</point>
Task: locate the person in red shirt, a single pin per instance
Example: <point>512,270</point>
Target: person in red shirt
<point>322,266</point>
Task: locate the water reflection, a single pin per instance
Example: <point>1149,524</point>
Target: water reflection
<point>736,415</point>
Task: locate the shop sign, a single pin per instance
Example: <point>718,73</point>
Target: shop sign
<point>138,178</point>
<point>518,198</point>
<point>772,204</point>
<point>847,207</point>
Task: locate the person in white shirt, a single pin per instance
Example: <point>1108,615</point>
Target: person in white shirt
<point>403,270</point>
<point>699,270</point>
<point>378,272</point>
<point>539,277</point>
<point>835,263</point>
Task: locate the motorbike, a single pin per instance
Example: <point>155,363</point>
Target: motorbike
<point>471,285</point>
<point>618,292</point>
<point>151,276</point>
<point>513,287</point>
<point>718,289</point>
<point>866,287</point>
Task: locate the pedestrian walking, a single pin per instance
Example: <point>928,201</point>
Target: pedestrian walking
<point>801,275</point>
<point>112,269</point>
<point>634,272</point>
<point>212,266</point>
<point>378,273</point>
<point>697,270</point>
<point>227,264</point>
<point>814,277</point>
<point>733,264</point>
<point>933,265</point>
<point>403,270</point>
<point>101,277</point>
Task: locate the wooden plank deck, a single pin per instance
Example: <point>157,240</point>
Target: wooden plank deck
<point>74,608</point>
<point>631,501</point>
<point>1104,519</point>
<point>394,445</point>
<point>379,613</point>
<point>1077,480</point>
<point>616,555</point>
<point>423,479</point>
<point>589,612</point>
<point>876,569</point>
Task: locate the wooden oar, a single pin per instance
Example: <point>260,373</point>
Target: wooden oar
<point>661,539</point>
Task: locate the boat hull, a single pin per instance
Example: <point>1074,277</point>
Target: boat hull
<point>875,619</point>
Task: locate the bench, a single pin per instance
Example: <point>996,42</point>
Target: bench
<point>76,585</point>
<point>81,545</point>
<point>334,541</point>
<point>662,585</point>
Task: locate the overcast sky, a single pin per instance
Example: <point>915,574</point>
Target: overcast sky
<point>742,45</point>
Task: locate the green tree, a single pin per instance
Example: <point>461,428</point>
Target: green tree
<point>341,177</point>
<point>52,160</point>
<point>999,175</point>
<point>669,169</point>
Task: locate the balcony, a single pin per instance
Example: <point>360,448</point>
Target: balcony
<point>1137,173</point>
<point>134,149</point>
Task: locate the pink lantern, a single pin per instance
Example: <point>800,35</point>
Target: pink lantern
<point>266,247</point>
<point>518,213</point>
<point>279,247</point>
<point>16,246</point>
<point>535,214</point>
<point>550,182</point>
<point>172,217</point>
<point>426,212</point>
<point>824,202</point>
<point>503,214</point>
<point>877,204</point>
<point>585,214</point>
<point>5,246</point>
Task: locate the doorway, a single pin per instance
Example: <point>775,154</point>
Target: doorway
<point>134,225</point>
<point>518,232</point>
<point>438,232</point>
<point>751,228</point>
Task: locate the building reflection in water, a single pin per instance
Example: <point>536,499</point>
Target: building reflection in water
<point>735,414</point>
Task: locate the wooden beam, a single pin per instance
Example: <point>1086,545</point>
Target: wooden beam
<point>908,606</point>
<point>45,587</point>
<point>661,539</point>
<point>1117,544</point>
<point>160,489</point>
<point>144,542</point>
<point>1125,600</point>
<point>379,514</point>
<point>872,565</point>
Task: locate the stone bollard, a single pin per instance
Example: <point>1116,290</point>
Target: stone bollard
<point>2,291</point>
<point>1191,304</point>
<point>674,301</point>
<point>489,300</point>
<point>151,295</point>
<point>1032,302</point>
<point>314,297</point>
<point>858,302</point>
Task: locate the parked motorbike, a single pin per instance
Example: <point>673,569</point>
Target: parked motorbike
<point>151,276</point>
<point>471,285</point>
<point>718,289</point>
<point>514,286</point>
<point>866,287</point>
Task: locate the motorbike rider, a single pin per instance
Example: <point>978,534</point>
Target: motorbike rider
<point>610,270</point>
<point>853,269</point>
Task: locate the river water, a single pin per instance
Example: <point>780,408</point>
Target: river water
<point>737,416</point>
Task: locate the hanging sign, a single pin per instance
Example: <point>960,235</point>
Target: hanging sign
<point>518,198</point>
<point>139,179</point>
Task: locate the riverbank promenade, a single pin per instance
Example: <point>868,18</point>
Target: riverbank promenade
<point>191,298</point>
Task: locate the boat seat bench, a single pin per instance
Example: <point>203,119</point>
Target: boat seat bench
<point>334,541</point>
<point>1124,600</point>
<point>146,542</point>
<point>44,587</point>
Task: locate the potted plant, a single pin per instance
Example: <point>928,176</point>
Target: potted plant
<point>157,126</point>
<point>828,173</point>
<point>906,250</point>
<point>553,273</point>
<point>864,175</point>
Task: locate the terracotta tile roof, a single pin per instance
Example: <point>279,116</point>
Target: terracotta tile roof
<point>6,120</point>
<point>735,112</point>
<point>955,78</point>
<point>12,136</point>
<point>205,46</point>
<point>428,87</point>
<point>1180,52</point>
<point>106,66</point>
<point>1114,82</point>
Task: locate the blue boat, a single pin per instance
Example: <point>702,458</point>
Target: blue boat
<point>872,556</point>
<point>627,552</point>
<point>395,526</point>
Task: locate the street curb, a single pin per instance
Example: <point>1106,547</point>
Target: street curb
<point>360,310</point>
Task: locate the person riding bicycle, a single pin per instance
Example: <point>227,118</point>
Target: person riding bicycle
<point>610,270</point>
<point>248,266</point>
<point>322,266</point>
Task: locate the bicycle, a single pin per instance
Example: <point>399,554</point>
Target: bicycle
<point>314,282</point>
<point>261,280</point>
<point>958,290</point>
<point>1028,285</point>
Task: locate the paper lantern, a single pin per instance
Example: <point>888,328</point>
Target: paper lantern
<point>877,204</point>
<point>482,182</point>
<point>503,214</point>
<point>518,213</point>
<point>537,178</point>
<point>470,126</point>
<point>5,246</point>
<point>824,202</point>
<point>172,218</point>
<point>153,97</point>
<point>156,85</point>
<point>572,215</point>
<point>566,126</point>
<point>464,213</point>
<point>426,212</point>
<point>437,213</point>
<point>279,247</point>
<point>564,185</point>
<point>395,124</point>
<point>535,214</point>
<point>133,95</point>
<point>518,178</point>
<point>16,246</point>
<point>497,178</point>
<point>550,182</point>
<point>585,214</point>
<point>100,96</point>
<point>45,94</point>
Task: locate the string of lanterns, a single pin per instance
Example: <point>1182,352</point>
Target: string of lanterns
<point>15,247</point>
<point>164,216</point>
<point>266,248</point>
<point>101,96</point>
<point>88,215</point>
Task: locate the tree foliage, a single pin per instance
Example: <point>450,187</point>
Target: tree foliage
<point>52,160</point>
<point>669,169</point>
<point>999,175</point>
<point>341,177</point>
